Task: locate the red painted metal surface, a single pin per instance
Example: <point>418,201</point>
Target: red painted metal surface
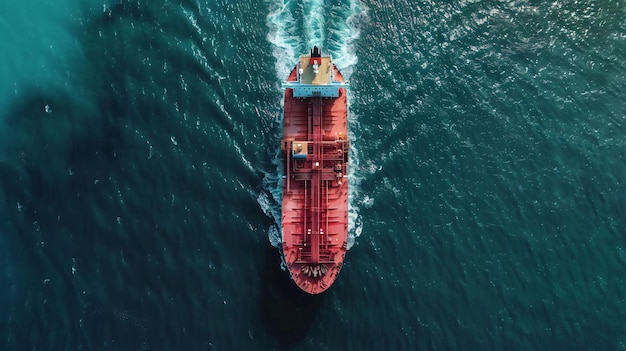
<point>315,187</point>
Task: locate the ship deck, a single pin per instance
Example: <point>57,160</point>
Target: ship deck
<point>315,186</point>
<point>324,71</point>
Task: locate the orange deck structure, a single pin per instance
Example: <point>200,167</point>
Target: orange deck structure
<point>315,165</point>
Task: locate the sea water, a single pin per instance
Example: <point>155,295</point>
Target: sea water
<point>140,175</point>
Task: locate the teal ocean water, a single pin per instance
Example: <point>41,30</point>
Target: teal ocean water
<point>139,175</point>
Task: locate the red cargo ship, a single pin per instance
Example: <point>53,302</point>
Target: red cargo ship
<point>315,165</point>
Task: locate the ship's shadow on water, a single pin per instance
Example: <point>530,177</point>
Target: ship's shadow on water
<point>286,311</point>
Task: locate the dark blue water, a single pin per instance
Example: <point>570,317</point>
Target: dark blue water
<point>139,197</point>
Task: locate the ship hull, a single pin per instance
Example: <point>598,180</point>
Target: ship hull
<point>315,186</point>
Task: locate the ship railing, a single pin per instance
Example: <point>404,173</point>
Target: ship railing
<point>310,90</point>
<point>297,84</point>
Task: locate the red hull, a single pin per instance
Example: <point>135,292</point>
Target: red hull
<point>315,186</point>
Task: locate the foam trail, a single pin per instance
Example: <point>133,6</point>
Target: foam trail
<point>270,199</point>
<point>283,35</point>
<point>356,173</point>
<point>314,22</point>
<point>343,35</point>
<point>355,223</point>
